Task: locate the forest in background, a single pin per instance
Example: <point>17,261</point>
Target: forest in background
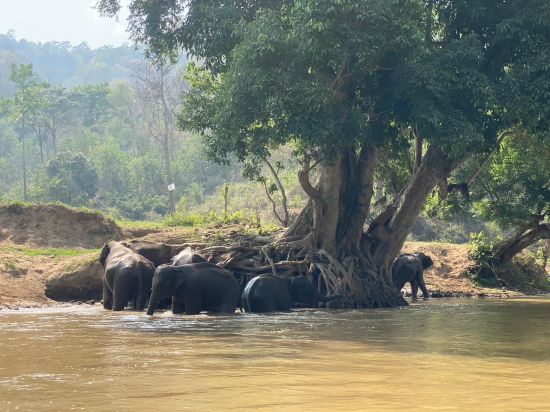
<point>65,64</point>
<point>92,137</point>
<point>100,145</point>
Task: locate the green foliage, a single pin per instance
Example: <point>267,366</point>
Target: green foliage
<point>68,178</point>
<point>181,218</point>
<point>484,273</point>
<point>55,252</point>
<point>481,249</point>
<point>517,181</point>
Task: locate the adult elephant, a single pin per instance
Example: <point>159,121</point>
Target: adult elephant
<point>187,256</point>
<point>128,277</point>
<point>157,253</point>
<point>195,287</point>
<point>409,267</point>
<point>270,293</point>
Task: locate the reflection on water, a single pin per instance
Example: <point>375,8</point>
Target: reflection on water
<point>443,354</point>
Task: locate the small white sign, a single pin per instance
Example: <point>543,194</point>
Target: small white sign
<point>171,187</point>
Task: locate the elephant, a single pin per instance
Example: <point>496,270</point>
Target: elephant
<point>128,277</point>
<point>195,287</point>
<point>157,253</point>
<point>187,256</point>
<point>270,293</point>
<point>409,267</point>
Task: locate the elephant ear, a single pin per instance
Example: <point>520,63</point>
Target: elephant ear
<point>104,253</point>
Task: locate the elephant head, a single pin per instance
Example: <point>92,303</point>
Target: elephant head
<point>303,292</point>
<point>166,281</point>
<point>425,260</point>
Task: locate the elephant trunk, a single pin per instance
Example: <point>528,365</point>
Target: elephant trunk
<point>153,303</point>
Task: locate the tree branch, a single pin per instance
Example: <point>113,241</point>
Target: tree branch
<point>303,178</point>
<point>284,204</point>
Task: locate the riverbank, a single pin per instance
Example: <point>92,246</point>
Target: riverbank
<point>33,277</point>
<point>35,274</point>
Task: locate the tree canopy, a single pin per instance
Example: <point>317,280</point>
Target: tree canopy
<point>345,81</point>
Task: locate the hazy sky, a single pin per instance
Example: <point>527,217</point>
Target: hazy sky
<point>61,20</point>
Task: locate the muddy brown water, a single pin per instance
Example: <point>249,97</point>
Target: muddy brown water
<point>438,355</point>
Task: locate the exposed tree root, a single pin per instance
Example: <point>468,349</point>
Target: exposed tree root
<point>349,275</point>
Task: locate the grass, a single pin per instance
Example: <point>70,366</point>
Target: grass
<point>138,224</point>
<point>51,251</point>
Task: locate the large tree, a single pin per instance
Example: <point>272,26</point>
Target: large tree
<point>343,79</point>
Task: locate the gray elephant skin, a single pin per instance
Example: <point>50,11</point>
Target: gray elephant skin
<point>409,267</point>
<point>128,277</point>
<point>187,256</point>
<point>270,293</point>
<point>157,253</point>
<point>195,287</point>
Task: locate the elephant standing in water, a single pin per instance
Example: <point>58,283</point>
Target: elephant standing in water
<point>270,293</point>
<point>409,267</point>
<point>128,277</point>
<point>195,287</point>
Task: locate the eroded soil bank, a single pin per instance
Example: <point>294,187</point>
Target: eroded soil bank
<point>33,273</point>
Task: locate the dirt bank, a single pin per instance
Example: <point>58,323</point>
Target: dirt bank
<point>55,226</point>
<point>32,273</point>
<point>37,277</point>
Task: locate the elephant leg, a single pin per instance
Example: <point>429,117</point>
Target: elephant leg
<point>414,289</point>
<point>228,307</point>
<point>120,296</point>
<point>141,300</point>
<point>107,296</point>
<point>422,285</point>
<point>177,306</point>
<point>193,305</point>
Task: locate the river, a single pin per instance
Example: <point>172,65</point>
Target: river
<point>444,354</point>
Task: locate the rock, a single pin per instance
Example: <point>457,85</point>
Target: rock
<point>91,302</point>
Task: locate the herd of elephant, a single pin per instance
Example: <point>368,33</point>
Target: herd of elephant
<point>162,275</point>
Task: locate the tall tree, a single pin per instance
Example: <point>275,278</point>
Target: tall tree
<point>159,93</point>
<point>342,79</point>
<point>20,109</point>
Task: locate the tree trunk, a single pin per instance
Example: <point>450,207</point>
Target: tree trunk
<point>24,164</point>
<point>167,119</point>
<point>169,176</point>
<point>284,219</point>
<point>54,140</point>
<point>504,251</point>
<point>352,263</point>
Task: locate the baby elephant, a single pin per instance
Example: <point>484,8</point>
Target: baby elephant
<point>128,277</point>
<point>409,267</point>
<point>269,293</point>
<point>195,287</point>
